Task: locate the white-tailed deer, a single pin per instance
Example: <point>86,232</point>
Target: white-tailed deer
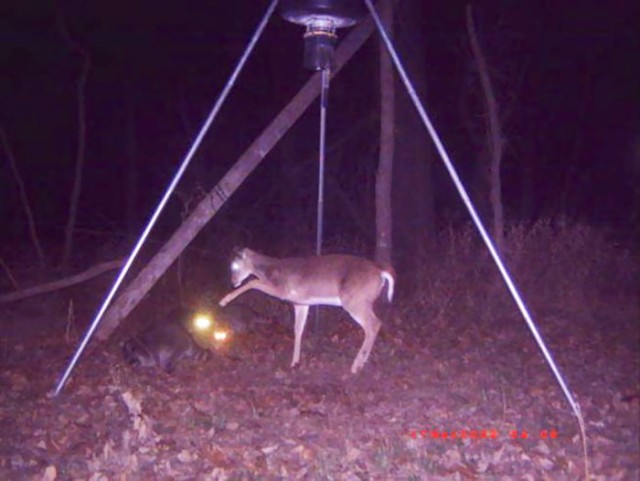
<point>351,282</point>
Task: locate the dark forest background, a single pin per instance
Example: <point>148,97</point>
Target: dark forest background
<point>566,78</point>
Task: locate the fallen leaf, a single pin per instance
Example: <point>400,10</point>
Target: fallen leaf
<point>50,474</point>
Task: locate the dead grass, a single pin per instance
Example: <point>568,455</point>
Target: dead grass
<point>557,265</point>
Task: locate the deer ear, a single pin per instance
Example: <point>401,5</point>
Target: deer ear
<point>239,252</point>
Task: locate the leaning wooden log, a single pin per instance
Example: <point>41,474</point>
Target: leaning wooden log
<point>212,202</point>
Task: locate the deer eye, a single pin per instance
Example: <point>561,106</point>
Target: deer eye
<point>235,265</point>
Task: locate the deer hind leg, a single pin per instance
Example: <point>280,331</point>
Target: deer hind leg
<point>363,314</point>
<point>301,313</point>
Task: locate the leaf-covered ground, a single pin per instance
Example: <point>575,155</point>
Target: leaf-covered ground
<point>441,398</point>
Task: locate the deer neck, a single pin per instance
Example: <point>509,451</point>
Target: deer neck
<point>260,264</point>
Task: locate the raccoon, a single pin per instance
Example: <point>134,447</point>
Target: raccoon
<point>164,344</point>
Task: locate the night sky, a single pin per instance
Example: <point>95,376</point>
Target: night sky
<point>567,71</point>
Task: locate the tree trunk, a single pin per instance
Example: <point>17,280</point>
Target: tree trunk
<point>212,202</point>
<point>82,139</point>
<point>414,192</point>
<point>28,212</point>
<point>495,138</point>
<point>131,162</point>
<point>384,175</point>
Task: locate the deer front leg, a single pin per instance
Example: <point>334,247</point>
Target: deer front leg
<point>252,284</point>
<point>232,295</point>
<point>301,313</point>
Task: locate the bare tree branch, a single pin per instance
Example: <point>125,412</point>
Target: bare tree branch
<point>35,240</point>
<point>62,283</point>
<point>82,139</point>
<point>9,274</point>
<point>495,137</point>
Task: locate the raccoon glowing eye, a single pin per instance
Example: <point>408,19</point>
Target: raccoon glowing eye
<point>220,335</point>
<point>202,322</point>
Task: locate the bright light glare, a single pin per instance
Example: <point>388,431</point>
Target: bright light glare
<point>202,322</point>
<point>220,335</point>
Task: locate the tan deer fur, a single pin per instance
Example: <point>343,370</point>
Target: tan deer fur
<point>354,283</point>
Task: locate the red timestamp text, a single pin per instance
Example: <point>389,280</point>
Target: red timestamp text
<point>480,434</point>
